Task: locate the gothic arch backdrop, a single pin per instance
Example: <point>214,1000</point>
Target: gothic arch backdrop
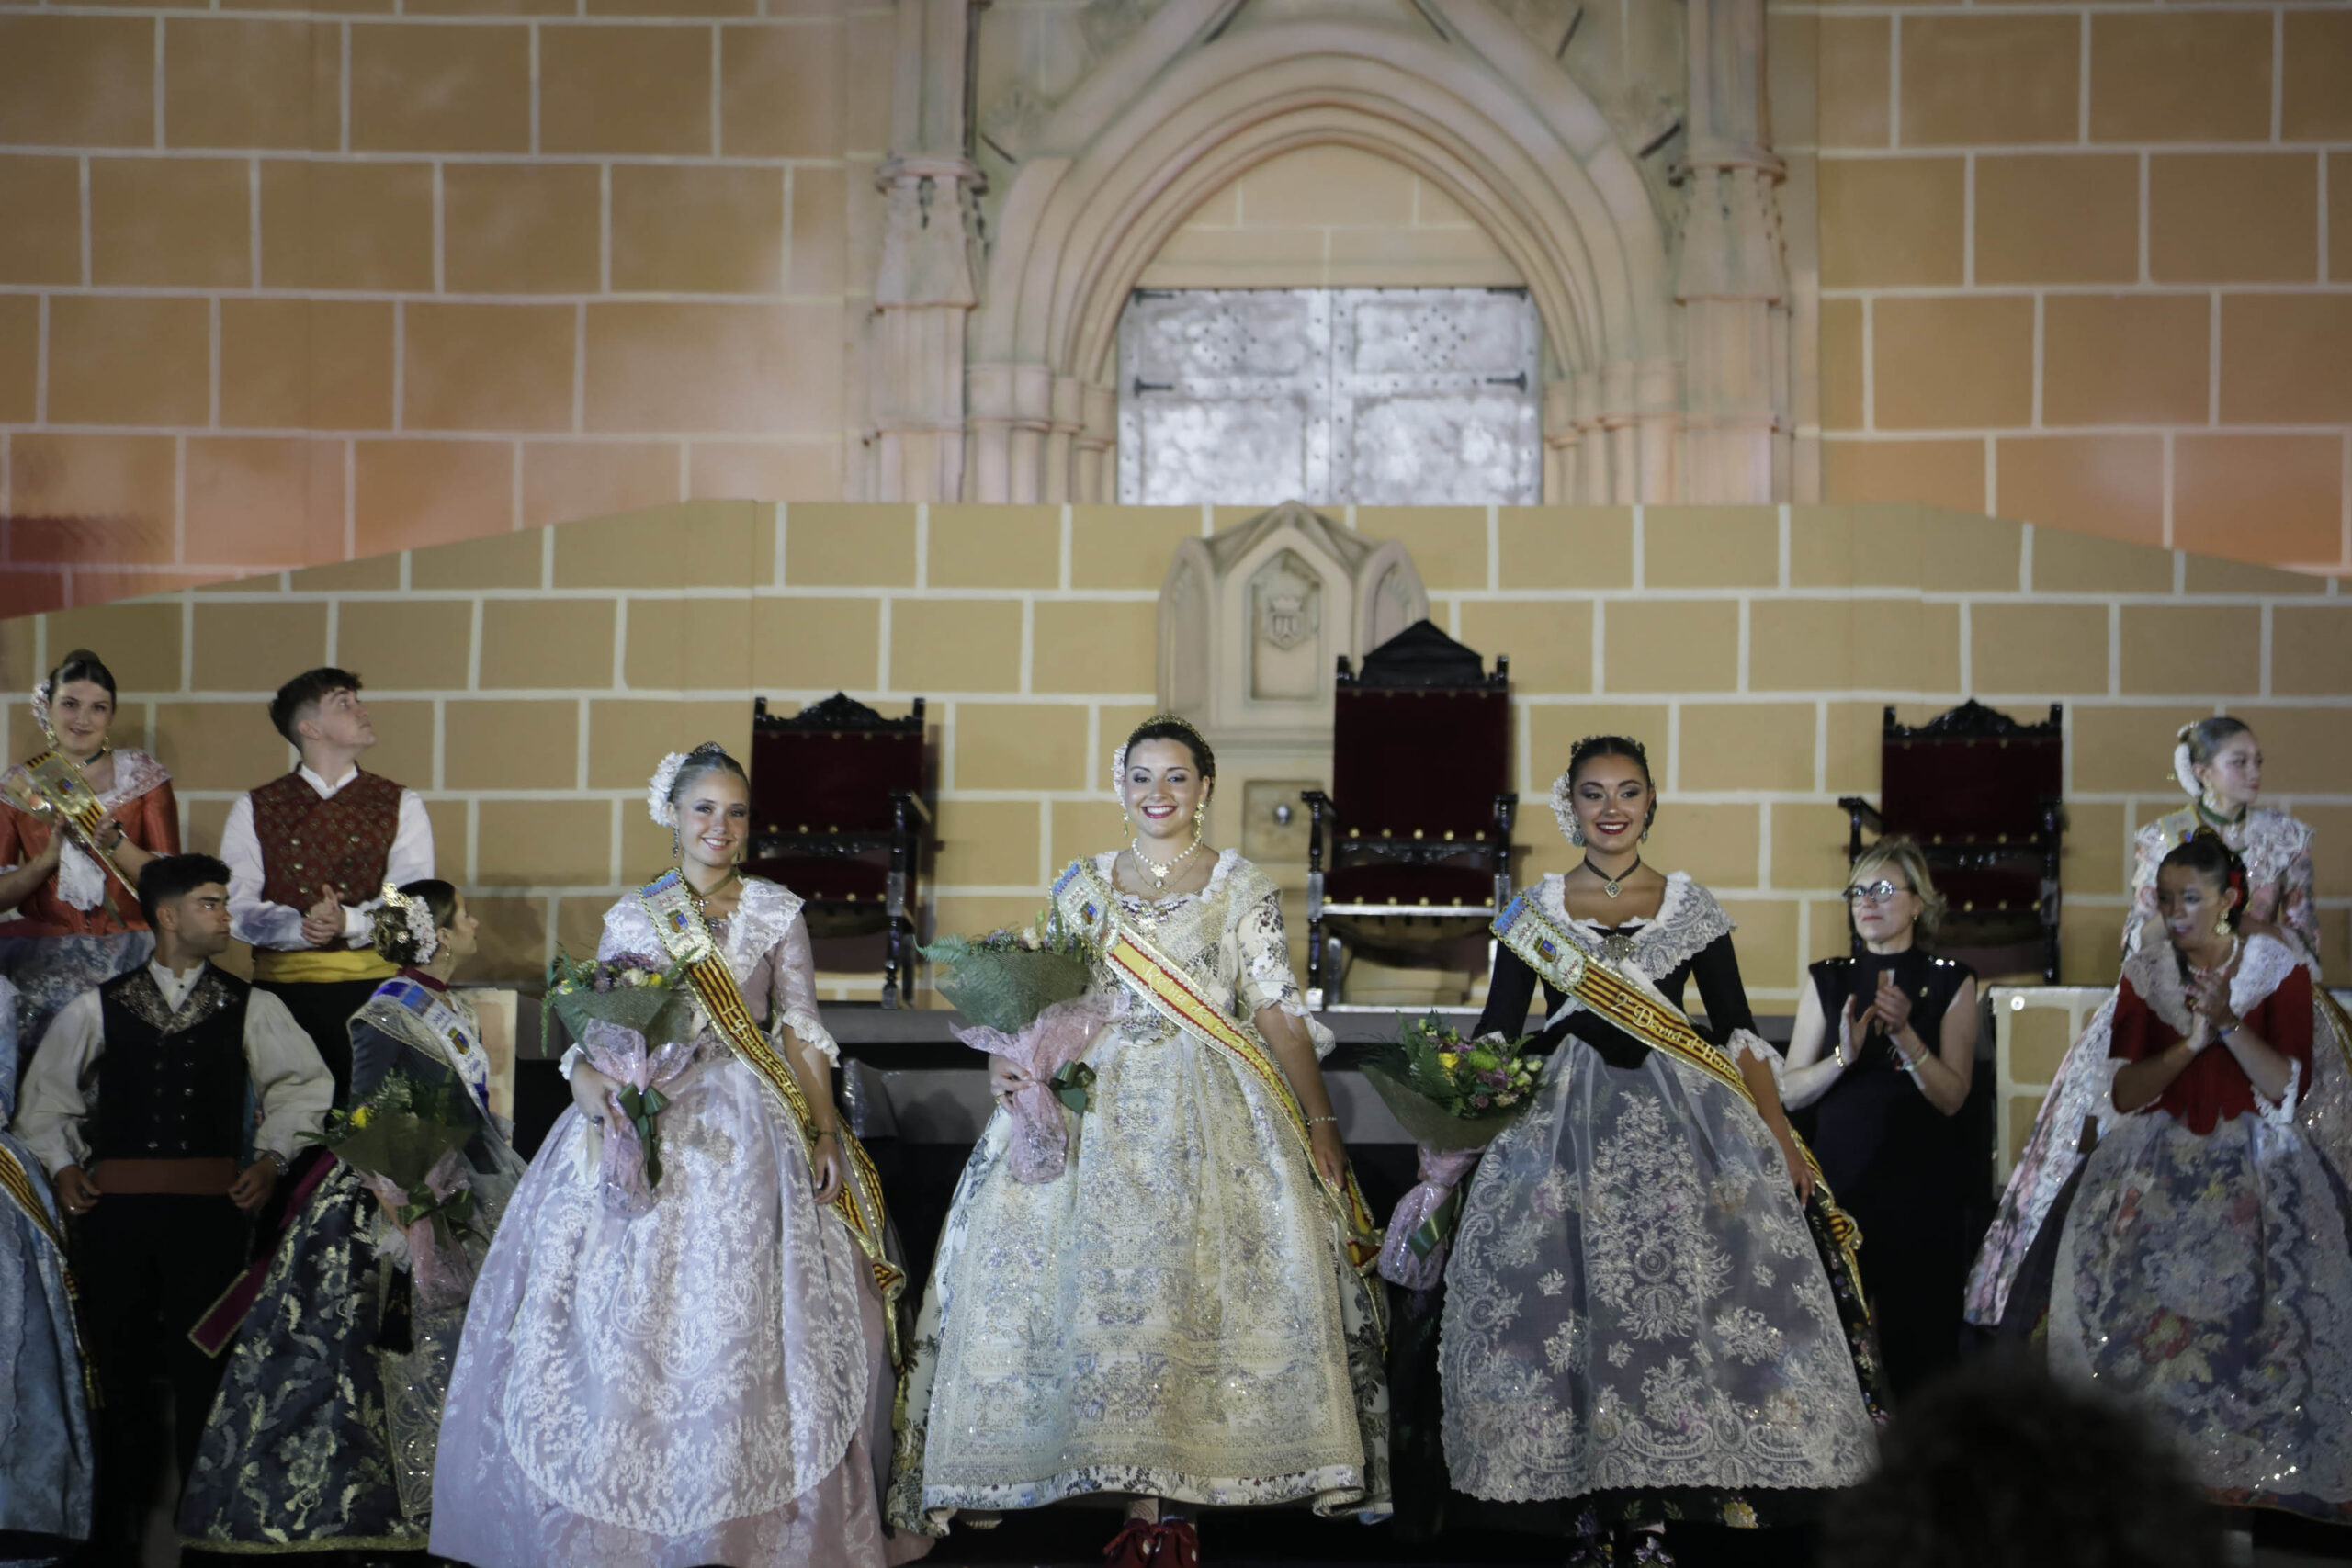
<point>1667,362</point>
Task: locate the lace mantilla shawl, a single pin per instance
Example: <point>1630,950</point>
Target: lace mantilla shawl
<point>766,923</point>
<point>81,881</point>
<point>1688,919</point>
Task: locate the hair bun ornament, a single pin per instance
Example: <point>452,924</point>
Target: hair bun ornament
<point>658,804</point>
<point>2183,770</point>
<point>423,934</point>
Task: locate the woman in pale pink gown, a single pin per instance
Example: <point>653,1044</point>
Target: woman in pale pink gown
<point>707,1382</point>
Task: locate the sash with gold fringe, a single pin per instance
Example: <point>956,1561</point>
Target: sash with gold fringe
<point>1529,931</point>
<point>1172,993</point>
<point>18,1184</point>
<point>687,937</point>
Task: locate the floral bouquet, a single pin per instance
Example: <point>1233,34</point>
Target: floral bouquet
<point>635,1023</point>
<point>1027,994</point>
<point>406,1142</point>
<point>1453,1097</point>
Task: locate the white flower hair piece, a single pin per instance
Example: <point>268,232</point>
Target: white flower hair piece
<point>2186,772</point>
<point>1562,812</point>
<point>658,804</point>
<point>423,931</point>
<point>40,707</point>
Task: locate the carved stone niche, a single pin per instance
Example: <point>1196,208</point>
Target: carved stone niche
<point>1252,622</point>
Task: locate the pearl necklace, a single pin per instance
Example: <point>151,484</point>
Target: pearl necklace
<point>1158,873</point>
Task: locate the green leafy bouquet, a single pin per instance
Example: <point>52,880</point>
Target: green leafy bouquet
<point>1003,980</point>
<point>406,1142</point>
<point>1027,995</point>
<point>1453,1097</point>
<point>636,1023</point>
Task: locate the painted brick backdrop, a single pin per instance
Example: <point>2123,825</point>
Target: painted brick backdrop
<point>526,682</point>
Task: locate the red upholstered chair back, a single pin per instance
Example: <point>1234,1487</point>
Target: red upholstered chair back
<point>832,781</point>
<point>1986,789</point>
<point>1408,759</point>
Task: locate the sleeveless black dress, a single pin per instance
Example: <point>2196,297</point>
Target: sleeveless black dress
<point>1898,1165</point>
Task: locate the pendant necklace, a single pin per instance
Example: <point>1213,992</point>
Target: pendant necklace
<point>1158,873</point>
<point>699,899</point>
<point>1612,886</point>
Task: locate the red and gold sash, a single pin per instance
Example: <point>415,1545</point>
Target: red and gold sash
<point>1528,929</point>
<point>687,937</point>
<point>1163,984</point>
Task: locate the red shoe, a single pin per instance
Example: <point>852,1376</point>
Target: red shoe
<point>1135,1545</point>
<point>1180,1546</point>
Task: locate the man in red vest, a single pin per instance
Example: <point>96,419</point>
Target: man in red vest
<point>308,854</point>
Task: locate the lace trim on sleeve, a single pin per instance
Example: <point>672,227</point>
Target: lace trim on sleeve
<point>1745,1042</point>
<point>2281,1116</point>
<point>792,998</point>
<point>573,1057</point>
<point>810,1028</point>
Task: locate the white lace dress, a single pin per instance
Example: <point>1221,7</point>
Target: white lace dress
<point>1175,1314</point>
<point>707,1383</point>
<point>1637,1312</point>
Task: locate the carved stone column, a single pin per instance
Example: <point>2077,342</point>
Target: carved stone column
<point>930,240</point>
<point>1731,283</point>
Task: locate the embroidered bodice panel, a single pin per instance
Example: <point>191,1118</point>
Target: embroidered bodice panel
<point>766,945</point>
<point>1227,937</point>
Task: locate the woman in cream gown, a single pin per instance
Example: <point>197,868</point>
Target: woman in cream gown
<point>1180,1316</point>
<point>707,1382</point>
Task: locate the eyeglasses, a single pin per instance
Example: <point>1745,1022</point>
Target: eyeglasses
<point>1877,892</point>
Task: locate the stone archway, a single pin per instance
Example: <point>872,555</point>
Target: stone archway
<point>1204,90</point>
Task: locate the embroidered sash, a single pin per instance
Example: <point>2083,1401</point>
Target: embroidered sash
<point>1164,986</point>
<point>81,816</point>
<point>687,937</point>
<point>1529,931</point>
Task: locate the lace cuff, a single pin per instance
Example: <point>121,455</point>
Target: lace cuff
<point>1746,1042</point>
<point>1318,1035</point>
<point>571,1058</point>
<point>2281,1116</point>
<point>804,1023</point>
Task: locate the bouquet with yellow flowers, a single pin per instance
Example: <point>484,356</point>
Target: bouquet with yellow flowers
<point>1453,1097</point>
<point>406,1142</point>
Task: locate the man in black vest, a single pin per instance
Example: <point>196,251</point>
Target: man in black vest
<point>137,1103</point>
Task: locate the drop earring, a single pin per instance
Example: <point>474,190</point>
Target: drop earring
<point>1576,831</point>
<point>677,850</point>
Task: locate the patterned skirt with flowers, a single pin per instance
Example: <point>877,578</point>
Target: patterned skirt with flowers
<point>2205,1278</point>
